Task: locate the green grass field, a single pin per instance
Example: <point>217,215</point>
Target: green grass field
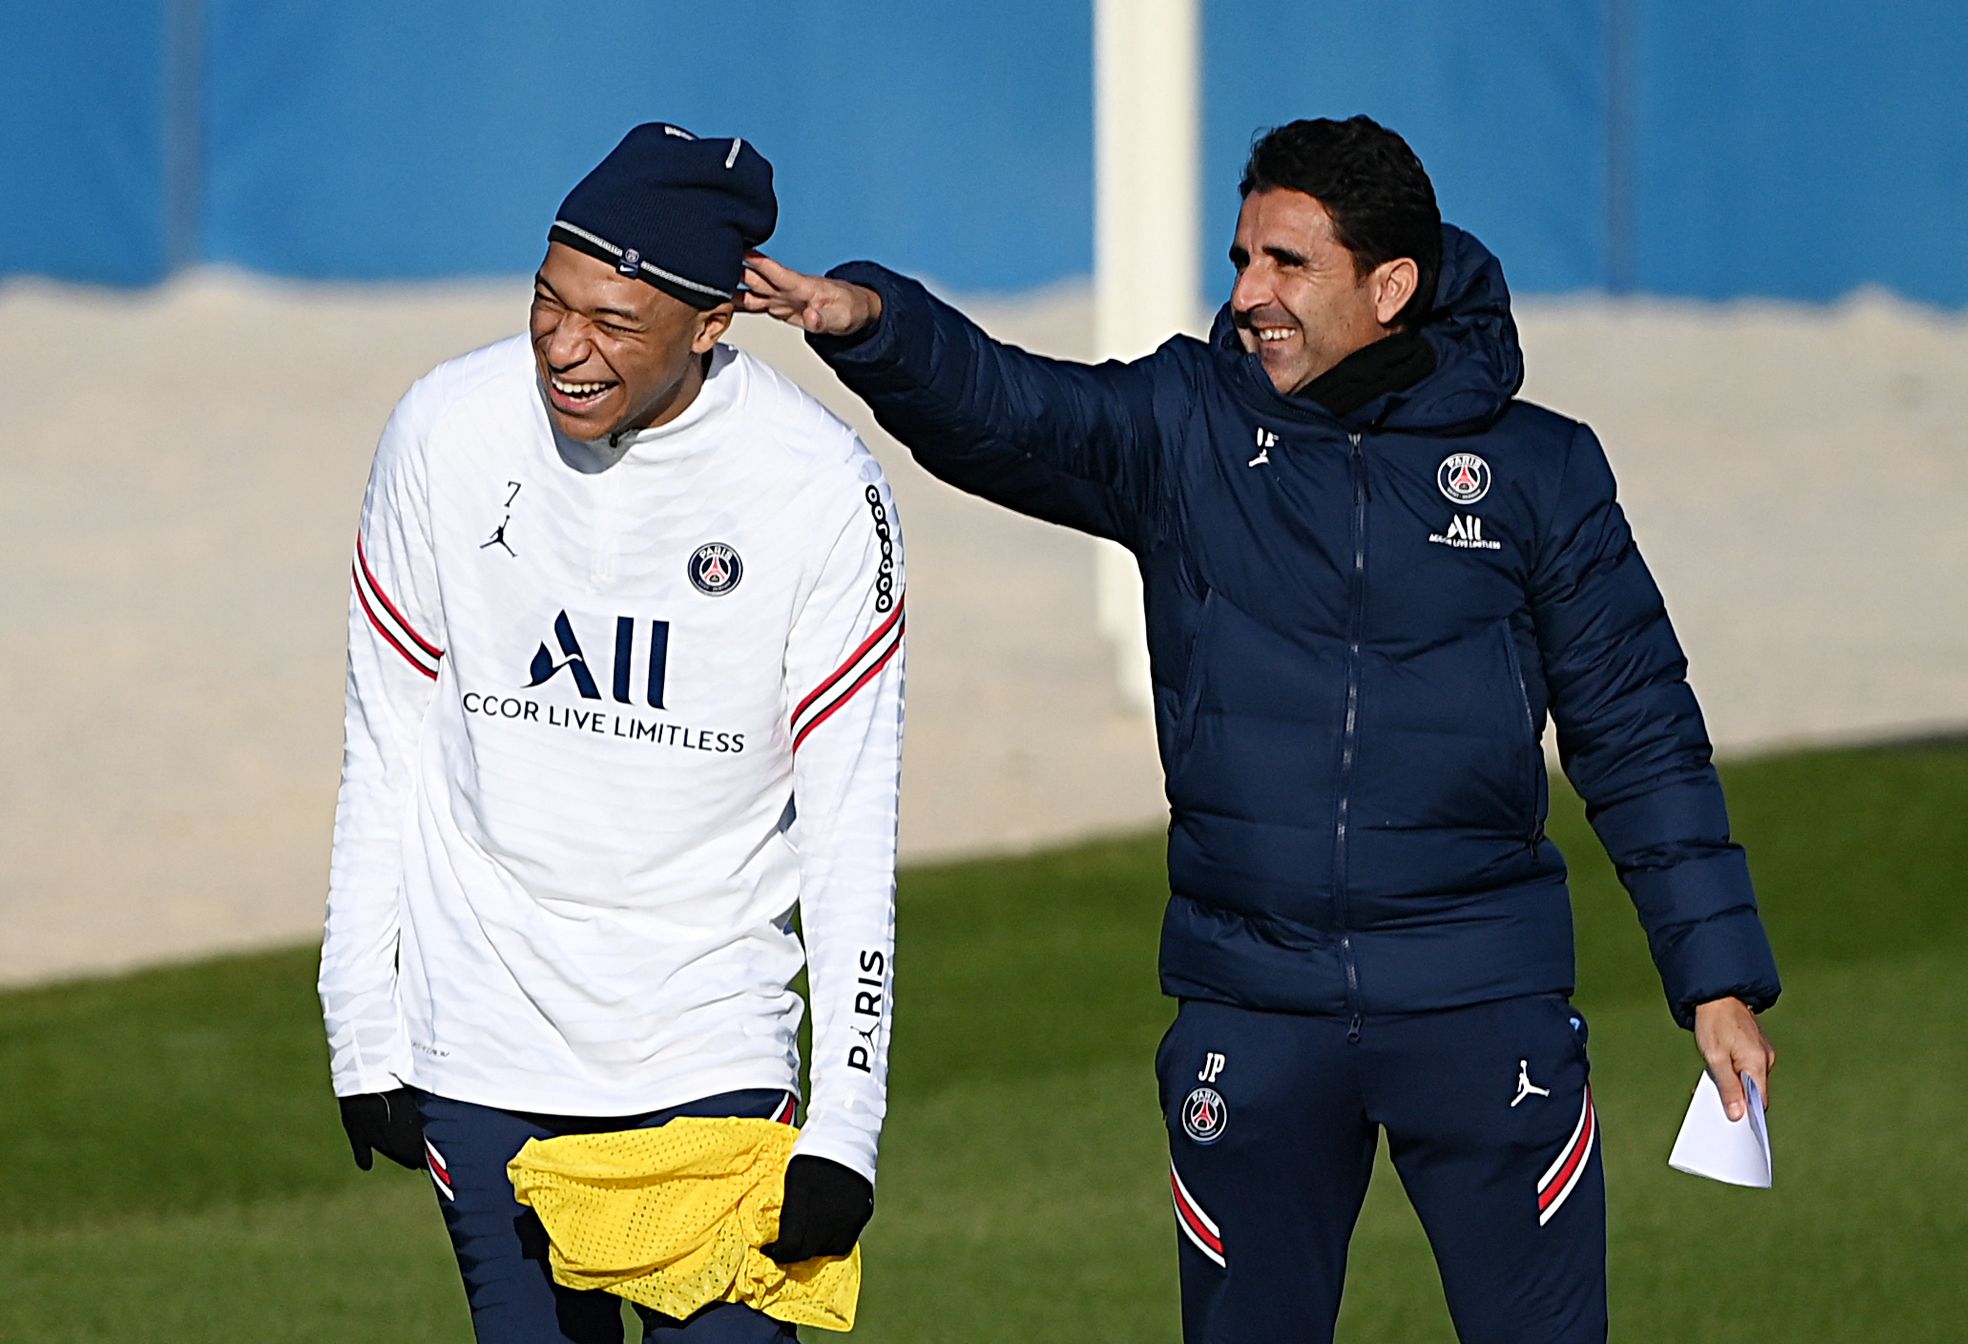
<point>173,1171</point>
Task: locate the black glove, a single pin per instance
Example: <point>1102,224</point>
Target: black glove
<point>386,1122</point>
<point>826,1207</point>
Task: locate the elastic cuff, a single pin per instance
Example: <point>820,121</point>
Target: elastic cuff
<point>855,1152</point>
<point>872,343</point>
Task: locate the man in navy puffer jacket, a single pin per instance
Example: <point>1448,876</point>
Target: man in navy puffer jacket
<point>1370,573</point>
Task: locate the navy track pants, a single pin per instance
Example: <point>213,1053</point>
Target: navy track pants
<point>1273,1119</point>
<point>502,1248</point>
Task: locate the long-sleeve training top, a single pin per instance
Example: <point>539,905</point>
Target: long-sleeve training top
<point>614,713</point>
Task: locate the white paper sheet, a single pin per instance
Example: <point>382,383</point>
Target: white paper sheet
<point>1712,1145</point>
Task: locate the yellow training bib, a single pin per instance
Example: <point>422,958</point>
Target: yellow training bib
<point>673,1218</point>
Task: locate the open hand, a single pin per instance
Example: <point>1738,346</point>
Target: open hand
<point>813,303</point>
<point>1732,1043</point>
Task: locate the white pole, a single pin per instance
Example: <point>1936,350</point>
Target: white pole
<point>1146,103</point>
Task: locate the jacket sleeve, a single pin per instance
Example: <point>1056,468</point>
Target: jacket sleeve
<point>1073,444</point>
<point>844,660</point>
<point>395,653</point>
<point>1633,743</point>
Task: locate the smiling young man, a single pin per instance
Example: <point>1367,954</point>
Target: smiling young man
<point>625,690</point>
<point>1370,571</point>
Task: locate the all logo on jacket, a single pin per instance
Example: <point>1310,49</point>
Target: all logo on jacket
<point>574,662</point>
<point>638,672</point>
<point>1465,533</point>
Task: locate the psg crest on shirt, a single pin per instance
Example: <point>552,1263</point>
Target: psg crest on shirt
<point>1204,1115</point>
<point>1463,477</point>
<point>715,569</point>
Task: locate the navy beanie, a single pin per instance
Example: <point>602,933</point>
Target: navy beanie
<point>674,210</point>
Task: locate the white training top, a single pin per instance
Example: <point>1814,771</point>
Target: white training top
<point>612,714</point>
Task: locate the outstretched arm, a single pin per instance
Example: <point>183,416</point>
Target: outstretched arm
<point>1070,443</point>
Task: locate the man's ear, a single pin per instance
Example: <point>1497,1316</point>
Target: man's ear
<point>712,323</point>
<point>1394,284</point>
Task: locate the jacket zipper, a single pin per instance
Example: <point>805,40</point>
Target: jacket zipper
<point>1356,612</point>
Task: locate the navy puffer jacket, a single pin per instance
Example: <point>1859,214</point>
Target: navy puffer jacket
<point>1357,628</point>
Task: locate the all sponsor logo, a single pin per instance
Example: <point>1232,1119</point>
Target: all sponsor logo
<point>639,673</point>
<point>1465,533</point>
<point>574,662</point>
<point>1463,477</point>
<point>715,569</point>
<point>1205,1115</point>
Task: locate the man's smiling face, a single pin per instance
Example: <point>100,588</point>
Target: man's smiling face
<point>614,353</point>
<point>1301,302</point>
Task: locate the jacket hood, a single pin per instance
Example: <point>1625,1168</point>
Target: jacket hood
<point>1479,366</point>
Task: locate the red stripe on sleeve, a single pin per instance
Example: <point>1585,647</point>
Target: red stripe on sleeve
<point>389,638</point>
<point>362,558</point>
<point>852,659</point>
<point>846,696</point>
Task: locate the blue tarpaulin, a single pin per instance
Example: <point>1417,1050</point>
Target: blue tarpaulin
<point>1794,150</point>
<point>372,139</point>
<point>85,160</point>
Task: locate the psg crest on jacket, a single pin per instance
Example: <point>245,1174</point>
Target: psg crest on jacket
<point>1463,477</point>
<point>715,569</point>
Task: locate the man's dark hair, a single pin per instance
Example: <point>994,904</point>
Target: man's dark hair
<point>1374,187</point>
